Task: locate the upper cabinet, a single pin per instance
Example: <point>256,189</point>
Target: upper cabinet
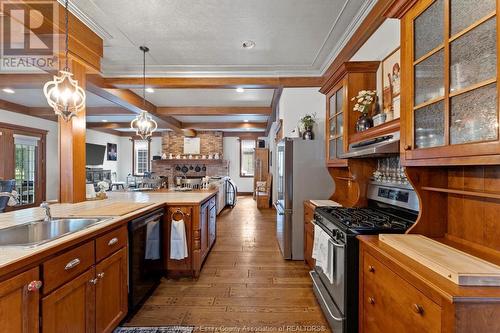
<point>340,119</point>
<point>449,83</point>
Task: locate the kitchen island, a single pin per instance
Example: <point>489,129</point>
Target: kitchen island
<point>89,267</point>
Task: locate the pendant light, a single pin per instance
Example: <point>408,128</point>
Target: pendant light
<point>144,125</point>
<point>64,94</point>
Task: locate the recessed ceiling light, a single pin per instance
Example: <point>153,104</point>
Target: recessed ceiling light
<point>150,90</point>
<point>248,44</point>
<point>240,90</point>
<point>8,90</point>
<point>104,120</point>
<point>246,120</point>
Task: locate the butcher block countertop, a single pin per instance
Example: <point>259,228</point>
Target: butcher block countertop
<point>14,258</point>
<point>432,284</point>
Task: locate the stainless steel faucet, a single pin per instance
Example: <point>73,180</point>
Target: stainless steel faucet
<point>11,196</point>
<point>48,216</point>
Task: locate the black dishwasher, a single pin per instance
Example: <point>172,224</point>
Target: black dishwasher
<point>145,255</point>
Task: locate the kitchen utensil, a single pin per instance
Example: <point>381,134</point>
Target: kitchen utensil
<point>204,168</point>
<point>177,168</point>
<point>197,169</point>
<point>185,169</point>
<point>191,167</point>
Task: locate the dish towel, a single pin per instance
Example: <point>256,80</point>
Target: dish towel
<point>178,241</point>
<point>323,252</point>
<point>152,241</point>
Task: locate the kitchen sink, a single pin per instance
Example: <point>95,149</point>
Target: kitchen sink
<point>39,232</point>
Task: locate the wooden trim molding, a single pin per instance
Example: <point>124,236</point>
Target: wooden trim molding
<point>399,8</point>
<point>349,67</point>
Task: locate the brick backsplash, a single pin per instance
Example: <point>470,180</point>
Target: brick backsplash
<point>210,143</point>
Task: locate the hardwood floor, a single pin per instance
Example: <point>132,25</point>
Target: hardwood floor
<point>245,285</point>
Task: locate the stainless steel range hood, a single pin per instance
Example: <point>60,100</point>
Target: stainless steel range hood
<point>379,146</point>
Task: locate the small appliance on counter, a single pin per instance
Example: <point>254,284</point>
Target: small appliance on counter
<point>392,208</point>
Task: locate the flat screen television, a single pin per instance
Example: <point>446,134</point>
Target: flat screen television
<point>94,154</point>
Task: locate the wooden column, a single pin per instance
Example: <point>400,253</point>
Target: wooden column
<point>72,150</point>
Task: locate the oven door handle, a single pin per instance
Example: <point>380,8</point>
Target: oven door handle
<point>339,245</point>
<point>322,298</point>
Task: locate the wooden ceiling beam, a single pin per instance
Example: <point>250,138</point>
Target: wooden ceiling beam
<point>24,81</point>
<point>214,82</point>
<point>130,101</point>
<point>109,125</point>
<point>224,125</point>
<point>212,111</point>
<point>243,135</point>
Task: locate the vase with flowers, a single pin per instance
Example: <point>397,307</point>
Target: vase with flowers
<point>307,123</point>
<point>364,102</point>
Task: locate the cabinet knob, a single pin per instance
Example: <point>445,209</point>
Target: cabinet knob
<point>35,285</point>
<point>418,309</point>
<point>113,241</point>
<point>93,281</point>
<point>371,269</point>
<point>407,147</point>
<point>72,264</point>
<point>100,275</point>
<point>371,300</point>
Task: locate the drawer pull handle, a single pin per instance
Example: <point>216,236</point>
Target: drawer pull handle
<point>371,269</point>
<point>100,275</point>
<point>371,300</point>
<point>93,281</point>
<point>35,285</point>
<point>418,309</point>
<point>113,241</point>
<point>72,264</point>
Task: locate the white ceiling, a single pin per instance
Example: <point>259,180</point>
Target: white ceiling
<point>218,119</point>
<point>210,97</point>
<point>381,43</point>
<point>35,98</point>
<point>192,37</point>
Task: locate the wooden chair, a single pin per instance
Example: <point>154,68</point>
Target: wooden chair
<point>263,193</point>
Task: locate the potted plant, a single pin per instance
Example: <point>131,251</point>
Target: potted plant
<point>308,122</point>
<point>364,102</point>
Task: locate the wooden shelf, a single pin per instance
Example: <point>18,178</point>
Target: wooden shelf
<point>491,195</point>
<point>385,128</point>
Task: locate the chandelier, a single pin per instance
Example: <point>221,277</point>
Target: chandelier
<point>144,124</point>
<point>63,94</point>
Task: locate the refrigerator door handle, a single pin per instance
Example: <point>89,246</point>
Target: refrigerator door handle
<point>278,209</point>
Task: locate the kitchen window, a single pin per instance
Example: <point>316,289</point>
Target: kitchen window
<point>247,150</point>
<point>141,157</point>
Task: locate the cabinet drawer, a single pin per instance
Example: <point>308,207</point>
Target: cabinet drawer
<point>67,265</point>
<point>111,242</point>
<point>393,305</point>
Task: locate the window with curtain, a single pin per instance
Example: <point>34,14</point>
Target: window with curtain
<point>141,157</point>
<point>247,148</point>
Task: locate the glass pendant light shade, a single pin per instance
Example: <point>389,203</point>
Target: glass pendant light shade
<point>64,95</point>
<point>144,125</point>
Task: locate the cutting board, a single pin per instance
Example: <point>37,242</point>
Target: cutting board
<point>325,203</point>
<point>112,209</point>
<point>454,265</point>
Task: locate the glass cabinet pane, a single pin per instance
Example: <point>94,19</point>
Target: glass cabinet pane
<point>332,154</point>
<point>429,78</point>
<point>474,115</point>
<point>429,29</point>
<point>429,125</point>
<point>474,56</point>
<point>332,127</point>
<point>333,109</point>
<point>340,124</point>
<point>340,147</point>
<point>465,12</point>
<point>339,98</point>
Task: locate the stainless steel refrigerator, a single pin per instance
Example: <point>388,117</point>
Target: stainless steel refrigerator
<point>301,175</point>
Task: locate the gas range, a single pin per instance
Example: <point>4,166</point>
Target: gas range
<point>361,220</point>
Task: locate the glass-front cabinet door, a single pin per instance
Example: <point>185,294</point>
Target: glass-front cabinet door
<point>450,55</point>
<point>335,125</point>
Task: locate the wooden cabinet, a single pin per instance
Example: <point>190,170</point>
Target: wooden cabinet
<point>71,308</point>
<point>449,87</point>
<point>261,166</point>
<point>308,234</point>
<point>340,88</point>
<point>19,308</point>
<point>111,291</point>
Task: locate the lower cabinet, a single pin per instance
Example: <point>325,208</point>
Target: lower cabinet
<point>204,231</point>
<point>111,291</point>
<point>71,308</point>
<point>308,234</point>
<point>19,297</point>
<point>212,218</point>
